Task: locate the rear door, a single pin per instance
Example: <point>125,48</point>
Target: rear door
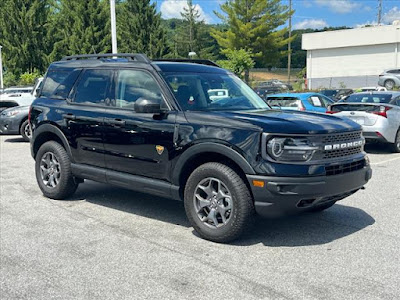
<point>84,116</point>
<point>318,103</point>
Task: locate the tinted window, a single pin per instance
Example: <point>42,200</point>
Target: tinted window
<point>195,91</point>
<point>132,85</point>
<point>63,90</point>
<point>369,98</point>
<point>285,102</point>
<point>93,87</point>
<point>394,71</point>
<point>52,81</point>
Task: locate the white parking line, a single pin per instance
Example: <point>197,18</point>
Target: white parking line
<point>385,161</point>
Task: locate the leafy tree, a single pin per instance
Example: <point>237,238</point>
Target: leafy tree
<point>253,26</point>
<point>139,28</point>
<point>80,27</point>
<point>23,31</point>
<point>239,62</point>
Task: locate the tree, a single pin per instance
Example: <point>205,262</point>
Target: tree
<point>253,26</point>
<point>139,28</point>
<point>239,62</point>
<point>80,27</point>
<point>23,35</point>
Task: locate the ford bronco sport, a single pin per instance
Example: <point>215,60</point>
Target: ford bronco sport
<point>154,127</point>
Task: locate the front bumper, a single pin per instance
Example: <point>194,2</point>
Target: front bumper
<point>289,195</point>
<point>9,125</point>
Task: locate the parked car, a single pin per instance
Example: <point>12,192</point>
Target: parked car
<point>336,94</point>
<point>150,126</point>
<point>378,113</point>
<point>275,83</point>
<point>19,96</point>
<point>15,121</point>
<point>264,91</point>
<point>371,89</point>
<point>313,102</point>
<point>390,79</point>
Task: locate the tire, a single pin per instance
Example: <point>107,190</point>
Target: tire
<point>53,160</point>
<point>389,84</point>
<point>396,145</point>
<point>322,207</point>
<point>232,201</point>
<point>25,131</point>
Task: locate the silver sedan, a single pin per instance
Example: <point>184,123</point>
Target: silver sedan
<point>377,112</point>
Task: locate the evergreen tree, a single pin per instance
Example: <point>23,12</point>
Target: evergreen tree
<point>23,31</point>
<point>139,28</point>
<point>253,26</point>
<point>80,27</point>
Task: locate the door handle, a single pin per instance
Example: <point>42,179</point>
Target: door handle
<point>115,122</point>
<point>69,116</point>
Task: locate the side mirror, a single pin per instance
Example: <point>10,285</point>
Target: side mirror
<point>148,106</point>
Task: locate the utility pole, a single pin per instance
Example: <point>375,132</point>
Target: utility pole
<point>113,27</point>
<point>380,12</point>
<point>290,43</point>
<point>1,70</point>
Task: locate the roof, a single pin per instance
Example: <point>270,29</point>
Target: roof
<point>293,95</point>
<point>393,93</point>
<point>188,67</point>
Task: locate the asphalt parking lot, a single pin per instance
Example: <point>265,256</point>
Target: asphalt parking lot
<point>111,243</point>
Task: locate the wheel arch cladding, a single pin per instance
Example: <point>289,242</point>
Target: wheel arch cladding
<point>48,132</point>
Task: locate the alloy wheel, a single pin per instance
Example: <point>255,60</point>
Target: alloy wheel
<point>50,170</point>
<point>213,202</point>
<point>27,131</point>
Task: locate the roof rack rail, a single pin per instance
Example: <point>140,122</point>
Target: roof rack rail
<point>189,60</point>
<point>133,56</point>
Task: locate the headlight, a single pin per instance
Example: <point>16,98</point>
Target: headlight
<point>290,149</point>
<point>12,113</point>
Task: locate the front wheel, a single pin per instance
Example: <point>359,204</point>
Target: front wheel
<point>53,171</point>
<point>389,84</point>
<point>218,203</point>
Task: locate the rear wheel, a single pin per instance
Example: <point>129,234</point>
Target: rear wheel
<point>218,203</point>
<point>389,84</point>
<point>53,171</point>
<point>396,145</point>
<point>25,131</point>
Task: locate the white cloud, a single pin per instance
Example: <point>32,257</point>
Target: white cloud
<point>340,6</point>
<point>311,24</point>
<point>391,15</point>
<point>173,8</point>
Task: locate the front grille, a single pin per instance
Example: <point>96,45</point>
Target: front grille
<point>345,168</point>
<point>342,138</point>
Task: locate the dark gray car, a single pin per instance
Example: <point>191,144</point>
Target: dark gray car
<point>15,121</point>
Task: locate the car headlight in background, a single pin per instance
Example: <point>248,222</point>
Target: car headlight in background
<point>12,113</point>
<point>291,149</point>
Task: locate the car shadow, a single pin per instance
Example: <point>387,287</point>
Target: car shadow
<point>377,148</point>
<point>16,140</point>
<point>294,231</point>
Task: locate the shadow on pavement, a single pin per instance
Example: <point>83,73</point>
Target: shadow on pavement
<point>377,148</point>
<point>16,140</point>
<point>294,231</point>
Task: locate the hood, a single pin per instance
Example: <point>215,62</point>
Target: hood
<point>289,122</point>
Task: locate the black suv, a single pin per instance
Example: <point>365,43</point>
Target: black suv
<point>160,127</point>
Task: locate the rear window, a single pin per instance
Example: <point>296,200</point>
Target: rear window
<point>284,102</point>
<point>369,98</point>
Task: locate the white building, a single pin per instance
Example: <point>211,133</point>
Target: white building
<point>352,57</point>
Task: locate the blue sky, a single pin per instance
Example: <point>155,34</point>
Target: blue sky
<point>308,13</point>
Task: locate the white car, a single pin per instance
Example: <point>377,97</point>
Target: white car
<point>377,112</point>
<point>372,89</point>
<point>19,96</point>
<point>217,94</point>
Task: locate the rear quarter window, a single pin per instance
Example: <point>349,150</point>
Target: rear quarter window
<point>53,79</point>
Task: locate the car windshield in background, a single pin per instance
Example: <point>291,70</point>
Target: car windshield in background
<point>286,102</point>
<point>369,98</point>
<point>212,92</point>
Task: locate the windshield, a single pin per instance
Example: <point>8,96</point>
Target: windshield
<point>369,98</point>
<point>212,92</point>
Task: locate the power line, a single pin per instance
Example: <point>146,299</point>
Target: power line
<point>380,12</point>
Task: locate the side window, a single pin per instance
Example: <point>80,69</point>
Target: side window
<point>93,87</point>
<point>63,90</point>
<point>132,85</point>
<point>316,101</point>
<point>52,81</point>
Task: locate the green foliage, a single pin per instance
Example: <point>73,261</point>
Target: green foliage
<point>253,26</point>
<point>139,29</point>
<point>239,62</point>
<point>10,79</point>
<point>28,78</point>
